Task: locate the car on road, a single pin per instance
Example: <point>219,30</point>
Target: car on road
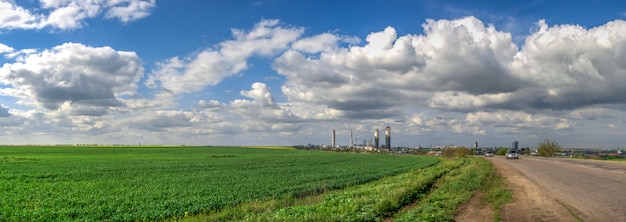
<point>511,154</point>
<point>488,154</point>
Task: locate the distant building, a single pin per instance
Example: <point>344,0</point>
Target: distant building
<point>515,145</point>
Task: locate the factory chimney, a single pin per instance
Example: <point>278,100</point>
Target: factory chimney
<point>332,143</point>
<point>351,138</point>
<point>376,138</point>
<point>388,137</point>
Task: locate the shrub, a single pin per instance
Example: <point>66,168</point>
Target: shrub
<point>457,152</point>
<point>548,148</point>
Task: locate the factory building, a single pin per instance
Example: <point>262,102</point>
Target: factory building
<point>369,145</point>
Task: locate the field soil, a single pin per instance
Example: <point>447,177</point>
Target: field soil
<point>530,202</point>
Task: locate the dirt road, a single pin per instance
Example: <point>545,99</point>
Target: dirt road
<point>552,189</point>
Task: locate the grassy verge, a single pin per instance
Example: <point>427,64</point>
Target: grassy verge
<point>450,192</point>
<point>497,193</point>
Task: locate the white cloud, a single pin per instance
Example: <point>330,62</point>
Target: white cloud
<point>569,66</point>
<point>162,120</point>
<point>211,104</point>
<point>85,78</point>
<point>65,14</point>
<point>260,93</point>
<point>391,72</point>
<point>129,10</point>
<point>5,49</point>
<point>462,65</point>
<point>459,77</point>
<point>13,16</point>
<point>70,14</point>
<point>228,58</point>
<point>4,111</point>
<point>325,42</point>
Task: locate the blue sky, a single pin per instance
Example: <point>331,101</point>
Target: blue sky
<point>288,72</point>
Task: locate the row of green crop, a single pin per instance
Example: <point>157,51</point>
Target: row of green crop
<point>121,184</point>
<point>366,202</point>
<point>428,194</point>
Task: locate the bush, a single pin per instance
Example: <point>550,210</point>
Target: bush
<point>457,152</point>
<point>548,148</point>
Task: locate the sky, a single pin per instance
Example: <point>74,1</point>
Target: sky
<point>279,72</point>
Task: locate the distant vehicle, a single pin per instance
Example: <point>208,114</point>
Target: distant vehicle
<point>511,154</point>
<point>488,154</point>
<point>534,153</point>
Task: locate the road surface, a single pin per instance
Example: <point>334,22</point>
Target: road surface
<point>560,189</point>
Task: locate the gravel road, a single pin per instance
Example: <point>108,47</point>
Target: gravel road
<point>593,190</point>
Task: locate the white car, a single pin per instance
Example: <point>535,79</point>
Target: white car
<point>488,154</point>
<point>511,154</point>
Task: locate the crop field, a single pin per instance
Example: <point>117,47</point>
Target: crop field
<point>421,194</point>
<point>151,183</point>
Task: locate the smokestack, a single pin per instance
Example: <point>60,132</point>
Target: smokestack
<point>332,143</point>
<point>350,138</point>
<point>376,138</point>
<point>388,137</point>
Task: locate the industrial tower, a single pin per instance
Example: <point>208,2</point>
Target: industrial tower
<point>376,138</point>
<point>388,137</point>
<point>332,143</point>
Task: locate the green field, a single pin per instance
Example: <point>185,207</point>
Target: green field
<point>149,183</point>
<point>422,194</point>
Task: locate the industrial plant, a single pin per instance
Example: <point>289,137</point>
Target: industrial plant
<point>365,145</point>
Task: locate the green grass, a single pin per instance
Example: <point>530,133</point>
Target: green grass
<point>367,202</point>
<point>139,183</point>
<point>450,192</point>
<point>373,201</point>
<point>497,193</point>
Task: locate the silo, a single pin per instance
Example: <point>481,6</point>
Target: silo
<point>388,137</point>
<point>376,138</point>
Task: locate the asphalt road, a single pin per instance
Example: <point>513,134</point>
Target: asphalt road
<point>594,188</point>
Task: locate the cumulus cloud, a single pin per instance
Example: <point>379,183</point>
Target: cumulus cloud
<point>211,104</point>
<point>559,67</point>
<point>129,10</point>
<point>162,120</point>
<point>573,66</point>
<point>13,16</point>
<point>460,77</point>
<point>64,14</point>
<point>260,93</point>
<point>5,49</point>
<point>390,72</point>
<point>228,58</point>
<point>322,43</point>
<point>459,65</point>
<point>82,77</point>
<point>4,111</point>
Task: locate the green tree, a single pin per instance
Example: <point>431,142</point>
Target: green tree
<point>548,148</point>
